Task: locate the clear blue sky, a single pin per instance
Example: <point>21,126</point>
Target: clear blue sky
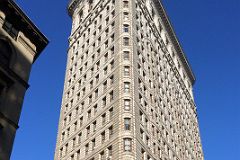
<point>209,31</point>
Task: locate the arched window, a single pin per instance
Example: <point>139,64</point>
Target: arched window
<point>5,52</point>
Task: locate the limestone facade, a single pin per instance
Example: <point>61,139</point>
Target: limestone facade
<point>128,86</point>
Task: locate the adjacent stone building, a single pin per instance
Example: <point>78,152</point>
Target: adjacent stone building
<point>128,86</point>
<point>20,44</point>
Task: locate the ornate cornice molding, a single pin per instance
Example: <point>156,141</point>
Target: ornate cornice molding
<point>175,41</point>
<point>72,6</point>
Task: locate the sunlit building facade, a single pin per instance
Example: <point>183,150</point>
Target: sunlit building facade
<point>128,86</point>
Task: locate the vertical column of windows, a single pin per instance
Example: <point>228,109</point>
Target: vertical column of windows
<point>127,142</point>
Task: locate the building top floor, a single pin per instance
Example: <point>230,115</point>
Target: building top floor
<point>15,21</point>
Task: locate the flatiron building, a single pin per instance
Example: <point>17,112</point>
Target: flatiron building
<point>128,86</point>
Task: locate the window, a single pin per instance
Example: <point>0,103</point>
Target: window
<point>107,20</point>
<point>105,70</point>
<point>96,93</point>
<point>125,28</point>
<point>79,137</point>
<point>101,155</point>
<point>110,129</point>
<point>127,104</point>
<point>106,57</point>
<point>127,145</point>
<point>5,53</point>
<point>111,113</point>
<point>127,122</point>
<point>98,65</point>
<point>89,114</point>
<point>86,148</point>
<point>90,99</point>
<point>78,154</point>
<point>93,144</point>
<point>126,55</point>
<point>112,79</point>
<point>91,84</point>
<point>112,64</point>
<point>75,126</point>
<point>88,131</point>
<point>125,4</point>
<point>81,121</point>
<point>126,41</point>
<point>103,119</point>
<point>94,126</point>
<point>74,142</point>
<point>125,15</point>
<point>110,151</point>
<point>8,27</point>
<point>97,78</point>
<point>111,96</point>
<point>61,152</point>
<point>126,71</point>
<point>104,101</point>
<point>95,109</point>
<point>103,137</point>
<point>126,87</point>
<point>66,148</point>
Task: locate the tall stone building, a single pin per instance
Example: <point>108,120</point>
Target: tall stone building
<point>128,86</point>
<point>20,44</point>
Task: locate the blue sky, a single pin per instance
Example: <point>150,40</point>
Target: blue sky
<point>209,31</point>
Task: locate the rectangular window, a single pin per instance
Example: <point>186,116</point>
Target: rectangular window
<point>96,93</point>
<point>78,154</point>
<point>8,27</point>
<point>95,109</point>
<point>111,96</point>
<point>103,119</point>
<point>97,78</point>
<point>127,145</point>
<point>105,85</point>
<point>126,55</point>
<point>89,114</point>
<point>112,79</point>
<point>101,155</point>
<point>94,126</point>
<point>127,122</point>
<point>93,144</point>
<point>110,129</point>
<point>88,131</point>
<point>74,142</point>
<point>112,64</point>
<point>105,70</point>
<point>127,104</point>
<point>81,121</point>
<point>110,150</point>
<point>86,148</point>
<point>103,137</point>
<point>126,87</point>
<point>79,138</point>
<point>125,28</point>
<point>104,101</point>
<point>125,15</point>
<point>126,71</point>
<point>125,4</point>
<point>61,152</point>
<point>126,41</point>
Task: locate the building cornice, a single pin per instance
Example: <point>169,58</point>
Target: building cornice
<point>23,23</point>
<point>71,6</point>
<point>175,41</point>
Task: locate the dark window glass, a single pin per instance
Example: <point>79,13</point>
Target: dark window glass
<point>5,52</point>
